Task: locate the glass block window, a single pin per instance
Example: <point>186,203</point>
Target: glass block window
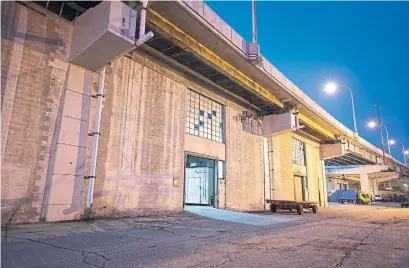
<point>298,152</point>
<point>204,117</point>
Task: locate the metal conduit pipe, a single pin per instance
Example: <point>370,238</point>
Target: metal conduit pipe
<point>142,38</point>
<point>95,133</point>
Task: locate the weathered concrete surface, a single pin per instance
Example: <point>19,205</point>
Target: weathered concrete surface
<point>341,236</point>
<point>244,166</point>
<point>141,148</point>
<point>33,74</point>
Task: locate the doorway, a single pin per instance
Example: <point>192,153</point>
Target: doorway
<point>299,188</point>
<point>200,186</point>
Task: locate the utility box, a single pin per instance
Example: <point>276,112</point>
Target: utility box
<point>253,53</point>
<point>102,34</point>
<point>277,124</point>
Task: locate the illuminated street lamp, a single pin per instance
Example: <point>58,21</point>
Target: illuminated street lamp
<point>392,142</point>
<point>373,124</point>
<point>331,88</point>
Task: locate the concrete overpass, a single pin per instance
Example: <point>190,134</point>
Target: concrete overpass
<point>192,38</point>
<point>190,35</point>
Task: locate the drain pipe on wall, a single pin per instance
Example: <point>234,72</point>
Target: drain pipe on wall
<point>95,134</point>
<point>142,38</point>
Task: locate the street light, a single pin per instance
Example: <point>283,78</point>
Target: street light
<point>331,88</point>
<point>380,130</point>
<point>373,124</point>
<point>392,142</point>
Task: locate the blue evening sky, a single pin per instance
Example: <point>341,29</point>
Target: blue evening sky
<point>363,45</point>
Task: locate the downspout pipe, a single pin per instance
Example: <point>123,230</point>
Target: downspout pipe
<point>95,133</point>
<point>142,38</point>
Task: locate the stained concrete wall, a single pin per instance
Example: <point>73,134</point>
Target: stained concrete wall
<point>244,165</point>
<point>244,184</point>
<point>205,147</point>
<point>316,189</point>
<point>141,149</point>
<point>143,143</point>
<point>282,180</point>
<point>34,48</point>
<point>63,198</point>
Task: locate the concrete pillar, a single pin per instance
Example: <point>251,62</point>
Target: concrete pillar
<point>324,192</point>
<point>365,183</point>
<point>323,186</point>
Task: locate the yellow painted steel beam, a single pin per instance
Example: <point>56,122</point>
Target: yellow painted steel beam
<point>209,56</point>
<point>189,43</point>
<point>310,123</point>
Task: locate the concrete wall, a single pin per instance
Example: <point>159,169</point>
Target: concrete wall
<point>244,165</point>
<point>282,175</point>
<point>141,145</point>
<point>63,198</point>
<point>316,186</point>
<point>205,147</point>
<point>34,48</point>
<point>244,184</point>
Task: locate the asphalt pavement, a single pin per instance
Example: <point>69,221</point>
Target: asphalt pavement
<point>337,236</point>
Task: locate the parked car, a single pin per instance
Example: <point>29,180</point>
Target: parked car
<point>387,198</point>
<point>378,197</point>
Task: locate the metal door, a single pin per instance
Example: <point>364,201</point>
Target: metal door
<point>196,186</point>
<point>192,190</point>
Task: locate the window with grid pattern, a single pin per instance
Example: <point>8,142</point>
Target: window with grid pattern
<point>204,117</point>
<point>298,152</point>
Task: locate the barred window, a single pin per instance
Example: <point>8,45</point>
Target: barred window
<point>298,152</point>
<point>204,117</point>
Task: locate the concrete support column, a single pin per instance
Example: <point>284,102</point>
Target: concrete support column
<point>324,192</point>
<point>364,179</point>
<point>374,186</point>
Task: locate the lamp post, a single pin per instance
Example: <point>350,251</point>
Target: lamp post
<point>380,129</point>
<point>331,88</point>
<point>373,124</point>
<point>254,24</point>
<point>392,142</point>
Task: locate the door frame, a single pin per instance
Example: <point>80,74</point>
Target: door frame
<point>303,187</point>
<point>215,175</point>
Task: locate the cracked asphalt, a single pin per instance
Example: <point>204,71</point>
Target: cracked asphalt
<point>338,236</point>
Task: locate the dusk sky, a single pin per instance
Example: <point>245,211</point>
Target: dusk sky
<point>363,45</point>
